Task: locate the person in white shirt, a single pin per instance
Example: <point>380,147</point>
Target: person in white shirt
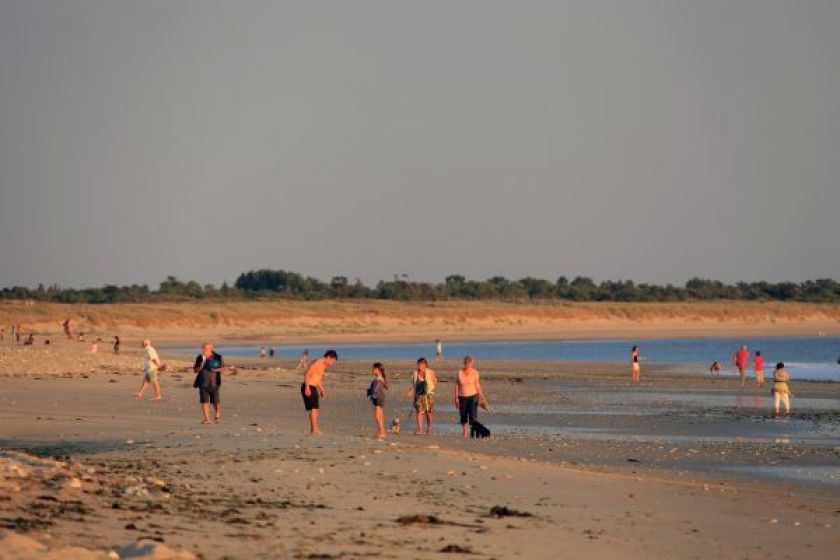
<point>151,364</point>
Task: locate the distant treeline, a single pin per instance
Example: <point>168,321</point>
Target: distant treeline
<point>291,285</point>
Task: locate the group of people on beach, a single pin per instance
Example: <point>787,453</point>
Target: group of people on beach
<point>423,382</point>
<point>781,378</point>
<point>469,394</point>
<point>15,333</point>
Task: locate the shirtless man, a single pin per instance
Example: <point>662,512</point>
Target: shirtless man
<point>468,394</point>
<point>312,388</point>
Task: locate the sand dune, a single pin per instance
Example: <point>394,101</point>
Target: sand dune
<point>367,320</point>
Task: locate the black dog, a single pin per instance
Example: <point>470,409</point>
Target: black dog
<point>479,430</point>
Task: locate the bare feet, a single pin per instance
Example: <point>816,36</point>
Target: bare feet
<point>156,399</point>
<point>418,433</point>
<point>205,421</point>
<point>218,420</point>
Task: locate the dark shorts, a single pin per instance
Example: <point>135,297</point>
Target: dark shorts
<point>208,395</point>
<point>468,409</point>
<point>313,401</point>
<point>378,402</point>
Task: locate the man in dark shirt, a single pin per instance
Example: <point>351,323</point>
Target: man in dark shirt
<point>208,368</point>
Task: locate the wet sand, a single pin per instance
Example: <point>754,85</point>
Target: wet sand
<point>587,465</point>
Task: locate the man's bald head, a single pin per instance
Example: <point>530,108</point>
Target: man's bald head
<point>146,342</point>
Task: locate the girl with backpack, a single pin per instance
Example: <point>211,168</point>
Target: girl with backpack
<point>376,394</point>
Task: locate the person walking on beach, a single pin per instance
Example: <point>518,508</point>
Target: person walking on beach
<point>714,369</point>
<point>438,350</point>
<point>68,331</point>
<point>151,364</point>
<point>759,370</point>
<point>208,380</point>
<point>271,353</point>
<point>303,362</point>
<point>636,367</point>
<point>376,394</point>
<point>781,390</point>
<point>740,360</point>
<point>116,344</point>
<point>423,383</point>
<point>468,394</point>
<point>312,388</point>
<point>14,335</point>
<point>2,334</point>
<point>262,351</point>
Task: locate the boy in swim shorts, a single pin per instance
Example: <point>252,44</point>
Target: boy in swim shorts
<point>312,388</point>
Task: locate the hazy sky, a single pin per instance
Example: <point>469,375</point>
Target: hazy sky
<point>641,140</point>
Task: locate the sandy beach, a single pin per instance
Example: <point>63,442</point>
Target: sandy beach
<point>581,464</point>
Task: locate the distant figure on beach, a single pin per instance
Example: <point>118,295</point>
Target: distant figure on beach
<point>208,380</point>
<point>312,388</point>
<point>781,390</point>
<point>423,383</point>
<point>116,344</point>
<point>29,341</point>
<point>94,347</point>
<point>2,334</point>
<point>468,395</point>
<point>262,351</point>
<point>636,367</point>
<point>740,360</point>
<point>271,353</point>
<point>438,350</point>
<point>759,369</point>
<point>68,331</point>
<point>376,394</point>
<point>14,334</point>
<point>81,337</point>
<point>303,362</point>
<point>151,364</point>
<point>715,368</point>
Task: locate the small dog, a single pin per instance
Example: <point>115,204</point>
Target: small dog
<point>479,430</point>
<point>395,426</point>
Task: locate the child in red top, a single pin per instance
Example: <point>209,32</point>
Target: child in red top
<point>759,370</point>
